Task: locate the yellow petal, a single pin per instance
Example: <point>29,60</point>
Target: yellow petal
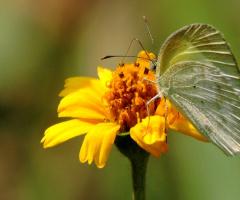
<point>97,143</point>
<point>82,105</point>
<point>104,74</point>
<point>172,112</point>
<point>182,125</point>
<point>61,132</point>
<point>84,84</point>
<point>156,129</point>
<point>151,138</point>
<point>145,62</point>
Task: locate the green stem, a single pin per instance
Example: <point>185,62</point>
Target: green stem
<point>138,158</point>
<point>139,168</point>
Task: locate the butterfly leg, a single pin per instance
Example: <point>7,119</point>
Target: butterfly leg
<point>147,104</point>
<point>166,113</point>
<point>145,79</point>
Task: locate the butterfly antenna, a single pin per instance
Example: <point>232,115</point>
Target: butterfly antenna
<point>121,56</point>
<point>116,56</point>
<point>133,40</point>
<point>146,23</point>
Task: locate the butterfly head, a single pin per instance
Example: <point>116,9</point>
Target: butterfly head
<point>153,65</point>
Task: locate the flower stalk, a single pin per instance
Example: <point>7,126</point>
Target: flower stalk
<point>138,159</point>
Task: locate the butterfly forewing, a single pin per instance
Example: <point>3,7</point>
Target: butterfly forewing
<point>198,74</point>
<point>198,42</point>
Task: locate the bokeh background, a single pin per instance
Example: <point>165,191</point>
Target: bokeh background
<point>44,42</point>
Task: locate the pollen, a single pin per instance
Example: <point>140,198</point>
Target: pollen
<point>127,95</point>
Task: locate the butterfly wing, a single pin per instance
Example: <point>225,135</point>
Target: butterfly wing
<point>207,99</point>
<point>198,42</point>
<point>198,74</point>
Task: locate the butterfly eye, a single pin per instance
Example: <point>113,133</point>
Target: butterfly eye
<point>153,65</point>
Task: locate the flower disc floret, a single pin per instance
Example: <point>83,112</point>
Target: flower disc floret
<point>127,95</point>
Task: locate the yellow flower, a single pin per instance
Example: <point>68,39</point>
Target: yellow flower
<point>112,105</point>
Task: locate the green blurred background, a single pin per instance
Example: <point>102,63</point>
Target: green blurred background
<point>44,42</point>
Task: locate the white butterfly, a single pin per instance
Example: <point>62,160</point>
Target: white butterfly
<point>198,73</point>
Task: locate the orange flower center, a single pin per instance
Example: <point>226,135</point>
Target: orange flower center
<point>127,95</point>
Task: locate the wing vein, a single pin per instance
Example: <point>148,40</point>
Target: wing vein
<point>208,35</point>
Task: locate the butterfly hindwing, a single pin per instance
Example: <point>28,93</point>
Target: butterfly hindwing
<point>202,94</point>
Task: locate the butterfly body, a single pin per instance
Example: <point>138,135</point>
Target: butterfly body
<point>199,75</point>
